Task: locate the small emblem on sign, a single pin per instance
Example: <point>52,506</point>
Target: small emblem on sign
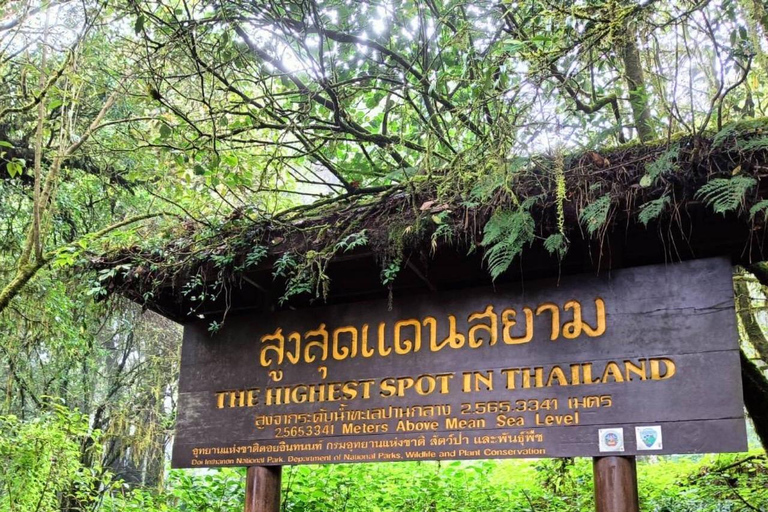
<point>648,438</point>
<point>611,439</point>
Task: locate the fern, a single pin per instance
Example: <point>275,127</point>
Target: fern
<point>556,243</point>
<point>486,186</point>
<point>761,206</point>
<point>504,236</point>
<point>755,144</point>
<point>723,135</point>
<point>652,209</point>
<point>725,195</point>
<point>595,214</point>
<point>666,162</point>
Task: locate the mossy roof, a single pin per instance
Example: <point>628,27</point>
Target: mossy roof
<point>680,198</point>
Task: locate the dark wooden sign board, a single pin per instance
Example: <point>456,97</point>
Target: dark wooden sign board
<point>644,361</point>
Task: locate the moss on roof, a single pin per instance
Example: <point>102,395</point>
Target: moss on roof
<point>502,210</point>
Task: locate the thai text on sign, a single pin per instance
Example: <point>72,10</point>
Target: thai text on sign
<point>643,361</point>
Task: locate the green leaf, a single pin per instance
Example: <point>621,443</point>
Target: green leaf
<point>165,131</point>
<point>505,235</point>
<point>556,244</point>
<point>595,214</point>
<point>139,26</point>
<point>761,206</point>
<point>54,104</point>
<point>652,209</point>
<point>14,168</point>
<point>725,194</point>
<point>664,163</point>
<point>5,144</point>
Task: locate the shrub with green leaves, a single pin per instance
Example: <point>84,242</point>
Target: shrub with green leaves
<point>40,461</point>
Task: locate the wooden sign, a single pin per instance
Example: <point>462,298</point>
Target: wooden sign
<point>642,362</point>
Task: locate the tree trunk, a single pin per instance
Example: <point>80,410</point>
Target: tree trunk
<point>748,320</point>
<point>638,93</point>
<point>755,397</point>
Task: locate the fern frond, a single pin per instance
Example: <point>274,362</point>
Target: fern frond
<point>505,235</point>
<point>725,194</point>
<point>665,163</point>
<point>754,144</point>
<point>652,209</point>
<point>761,206</point>
<point>595,214</point>
<point>556,244</point>
<point>720,137</point>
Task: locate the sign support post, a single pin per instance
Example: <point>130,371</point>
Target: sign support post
<point>615,484</point>
<point>262,488</point>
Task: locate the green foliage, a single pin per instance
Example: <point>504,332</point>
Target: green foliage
<point>595,215</point>
<point>556,244</point>
<point>255,256</point>
<point>652,209</point>
<point>505,235</point>
<point>216,491</point>
<point>663,164</point>
<point>353,241</point>
<point>711,483</point>
<point>390,271</point>
<point>726,194</point>
<point>284,265</point>
<point>40,461</point>
<point>760,206</point>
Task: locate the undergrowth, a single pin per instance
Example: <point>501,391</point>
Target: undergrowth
<point>680,484</point>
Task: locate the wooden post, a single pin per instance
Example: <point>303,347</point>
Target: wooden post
<point>262,489</point>
<point>615,484</point>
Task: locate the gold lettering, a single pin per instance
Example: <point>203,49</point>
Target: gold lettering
<point>630,368</point>
<point>296,355</point>
<point>383,351</point>
<point>508,322</point>
<point>600,312</point>
<point>511,374</point>
<point>364,349</point>
<point>587,371</point>
<point>612,370</point>
<point>321,343</point>
<point>492,328</point>
<point>557,373</point>
<point>670,368</point>
<point>555,311</point>
<point>340,353</point>
<point>572,329</point>
<point>278,349</point>
<point>407,346</point>
<point>575,374</point>
<point>454,339</point>
<point>431,323</point>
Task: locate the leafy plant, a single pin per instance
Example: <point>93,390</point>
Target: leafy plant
<point>255,256</point>
<point>353,241</point>
<point>595,215</point>
<point>663,164</point>
<point>556,243</point>
<point>725,194</point>
<point>505,235</point>
<point>760,206</point>
<point>652,209</point>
